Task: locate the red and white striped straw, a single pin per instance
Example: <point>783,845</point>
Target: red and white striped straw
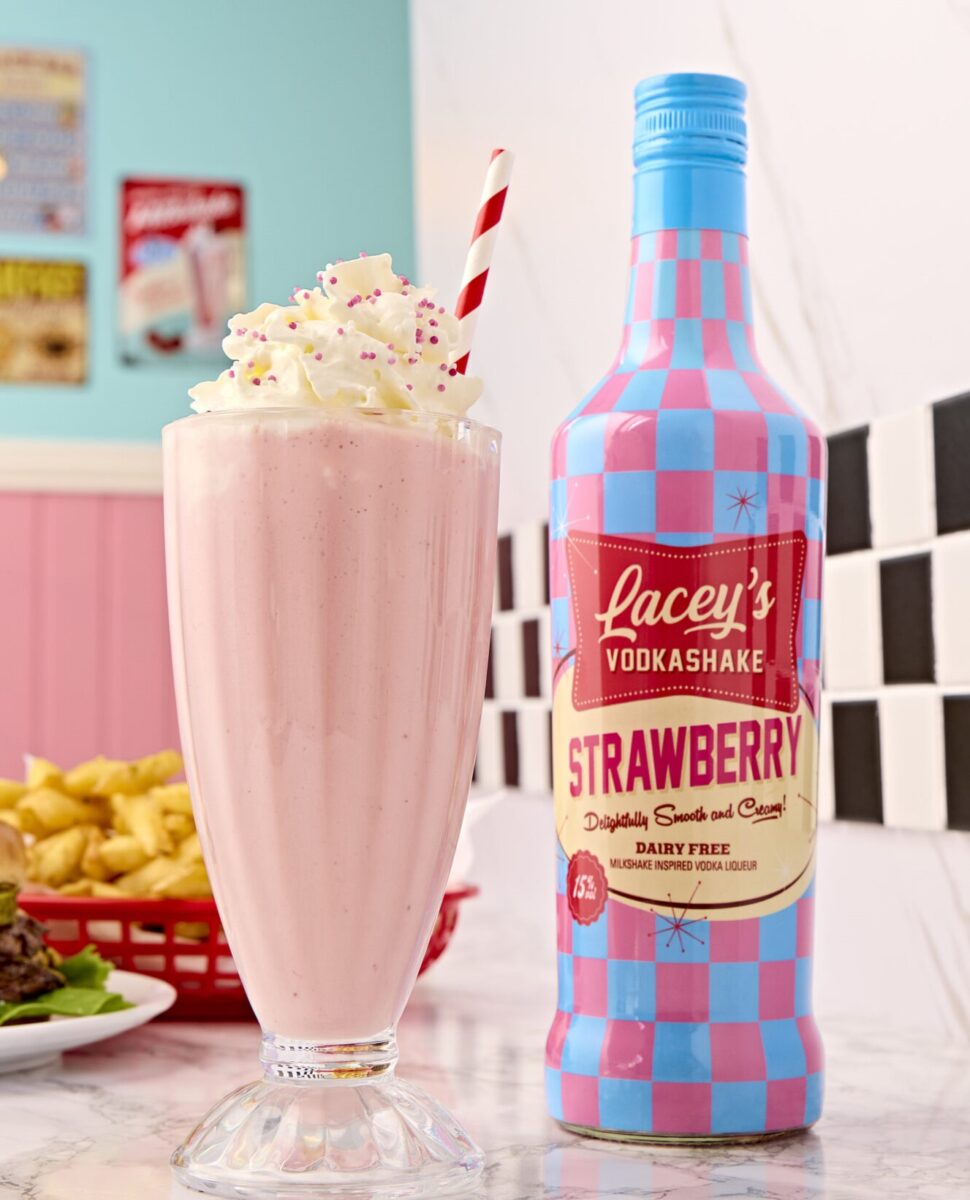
<point>480,252</point>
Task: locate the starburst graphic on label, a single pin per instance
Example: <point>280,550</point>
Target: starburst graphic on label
<point>677,925</point>
<point>562,527</point>
<point>743,505</point>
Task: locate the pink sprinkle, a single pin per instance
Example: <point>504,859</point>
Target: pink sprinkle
<point>333,278</point>
<point>256,380</point>
<point>412,361</point>
<point>271,379</point>
<point>405,292</point>
<point>377,291</point>
<point>250,364</point>
<point>340,330</point>
<point>306,295</point>
<point>405,281</point>
<point>390,345</point>
<point>232,374</point>
<point>409,387</point>
<point>391,360</point>
<point>441,309</point>
<point>320,277</point>
<point>262,337</point>
<point>441,387</point>
<point>293,324</point>
<point>240,332</point>
<point>443,367</point>
<point>434,340</point>
<point>363,354</point>
<point>419,335</point>
<point>363,254</point>
<point>318,356</point>
<point>453,371</point>
<point>373,354</point>
<point>433,322</point>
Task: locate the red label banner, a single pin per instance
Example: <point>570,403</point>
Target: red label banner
<point>718,620</point>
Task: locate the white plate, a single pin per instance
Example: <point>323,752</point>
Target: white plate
<point>23,1046</point>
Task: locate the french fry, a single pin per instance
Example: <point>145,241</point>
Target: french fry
<point>121,854</point>
<point>79,887</point>
<point>190,851</point>
<point>81,779</point>
<point>10,792</point>
<point>187,881</point>
<point>99,810</point>
<point>141,881</point>
<point>46,810</point>
<point>41,772</point>
<point>56,860</point>
<point>131,779</point>
<point>196,931</point>
<point>174,798</point>
<point>108,827</point>
<point>144,819</point>
<point>119,808</point>
<point>92,864</point>
<point>178,825</point>
<point>107,891</point>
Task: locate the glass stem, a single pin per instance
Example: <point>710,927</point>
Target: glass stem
<point>297,1059</point>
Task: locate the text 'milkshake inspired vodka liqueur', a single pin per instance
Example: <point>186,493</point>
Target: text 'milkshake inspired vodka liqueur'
<point>686,560</point>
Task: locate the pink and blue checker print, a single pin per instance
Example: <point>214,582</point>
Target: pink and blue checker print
<point>651,1036</point>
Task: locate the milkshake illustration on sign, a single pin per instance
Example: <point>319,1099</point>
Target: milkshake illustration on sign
<point>686,537</point>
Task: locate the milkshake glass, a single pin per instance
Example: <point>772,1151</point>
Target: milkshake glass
<point>330,582</point>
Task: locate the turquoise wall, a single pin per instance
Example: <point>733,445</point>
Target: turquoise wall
<point>308,105</point>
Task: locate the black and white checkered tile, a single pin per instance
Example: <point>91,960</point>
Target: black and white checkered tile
<point>896,720</point>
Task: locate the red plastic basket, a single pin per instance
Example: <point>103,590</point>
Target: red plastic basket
<point>150,936</point>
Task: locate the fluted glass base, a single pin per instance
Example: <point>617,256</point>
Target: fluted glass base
<point>328,1121</point>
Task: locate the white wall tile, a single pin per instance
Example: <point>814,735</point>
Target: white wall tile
<point>528,566</point>
<point>852,628</point>
<point>911,742</point>
<point>507,665</point>
<point>951,603</point>
<point>534,748</point>
<point>901,478</point>
<point>826,769</point>
<point>489,767</point>
<point>545,655</point>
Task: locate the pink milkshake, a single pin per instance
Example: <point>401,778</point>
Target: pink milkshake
<point>330,536</point>
<point>331,574</point>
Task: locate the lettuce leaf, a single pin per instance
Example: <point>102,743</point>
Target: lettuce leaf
<point>65,1002</point>
<point>86,969</point>
<point>84,996</point>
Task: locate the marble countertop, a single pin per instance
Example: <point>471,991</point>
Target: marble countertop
<point>101,1124</point>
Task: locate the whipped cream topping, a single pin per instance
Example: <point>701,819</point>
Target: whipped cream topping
<point>363,337</point>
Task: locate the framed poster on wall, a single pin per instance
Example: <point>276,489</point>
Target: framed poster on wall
<point>42,154</point>
<point>43,321</point>
<point>183,267</point>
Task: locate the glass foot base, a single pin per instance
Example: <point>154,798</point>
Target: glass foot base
<point>276,1140</point>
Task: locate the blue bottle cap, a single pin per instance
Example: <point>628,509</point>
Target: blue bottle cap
<point>690,118</point>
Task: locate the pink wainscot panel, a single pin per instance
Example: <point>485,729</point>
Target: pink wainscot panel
<point>83,628</point>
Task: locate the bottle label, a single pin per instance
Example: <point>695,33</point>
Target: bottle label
<point>685,750</point>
